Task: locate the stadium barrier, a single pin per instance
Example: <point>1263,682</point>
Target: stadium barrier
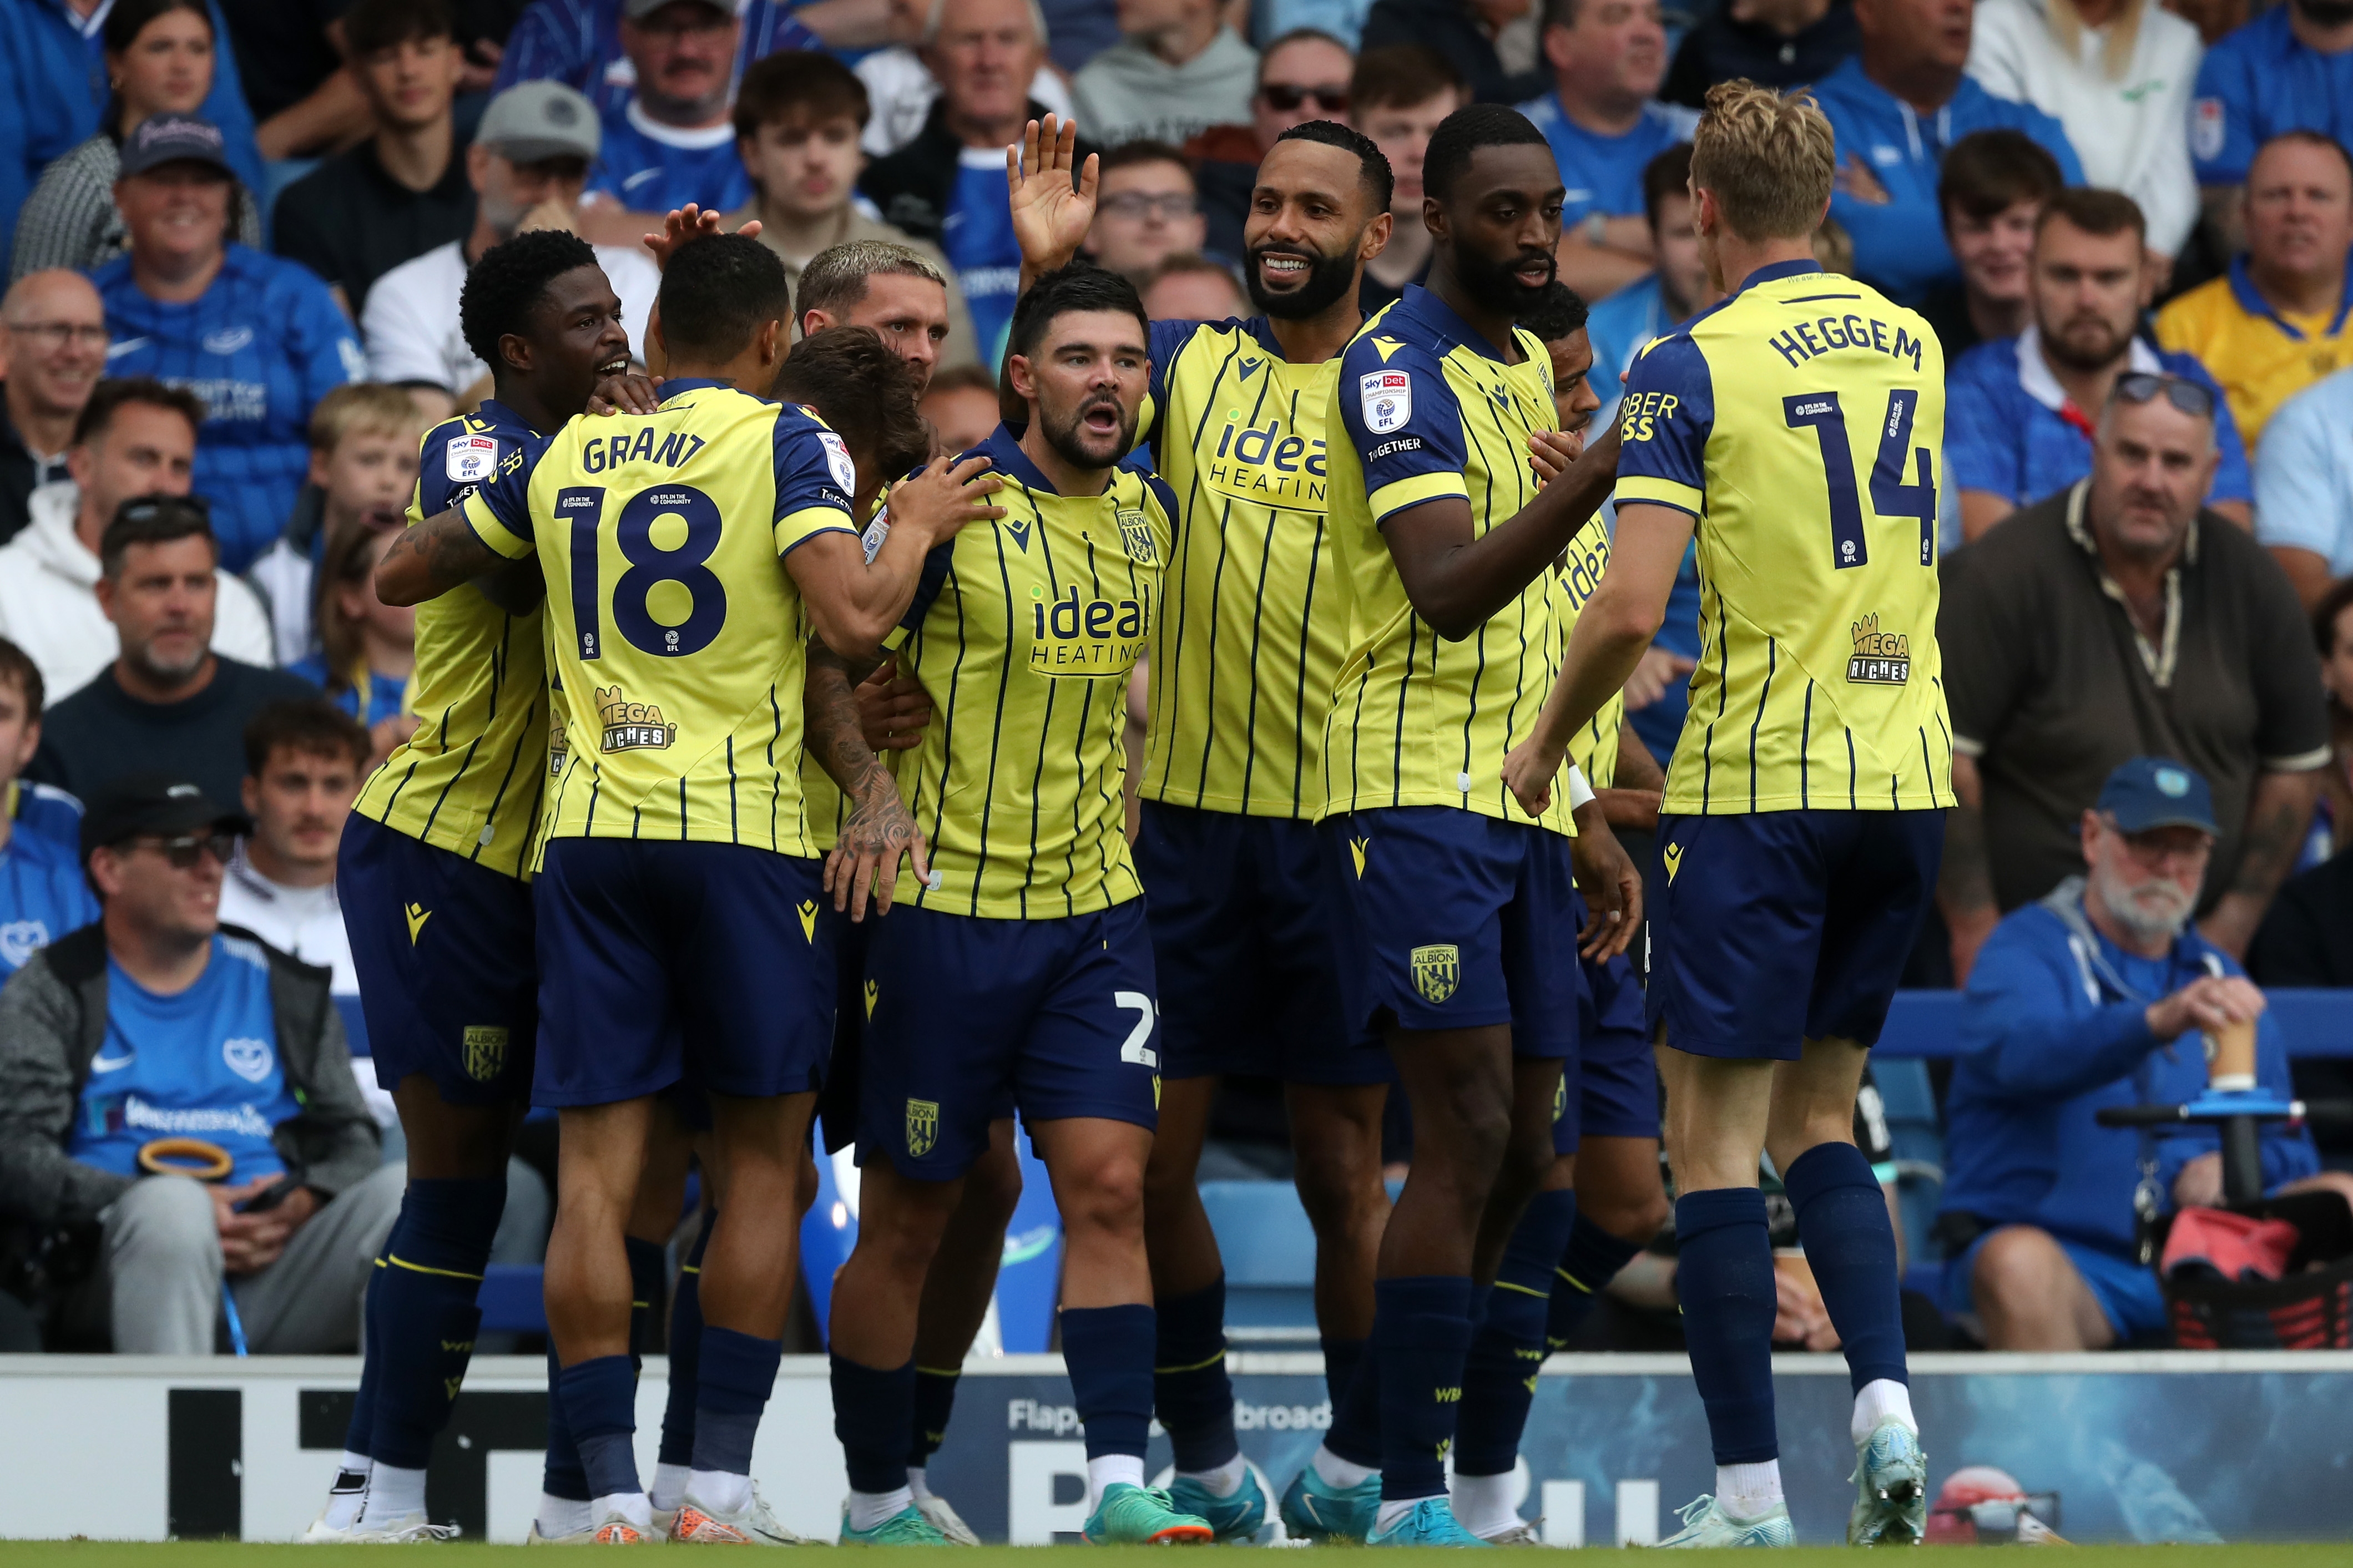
<point>2168,1445</point>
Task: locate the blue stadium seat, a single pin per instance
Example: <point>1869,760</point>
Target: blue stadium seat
<point>513,1299</point>
<point>1917,1132</point>
<point>1270,1253</point>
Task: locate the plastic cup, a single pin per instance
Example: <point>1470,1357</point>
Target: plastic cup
<point>2230,1056</point>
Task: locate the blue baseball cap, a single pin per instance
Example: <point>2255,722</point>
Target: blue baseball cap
<point>2157,792</point>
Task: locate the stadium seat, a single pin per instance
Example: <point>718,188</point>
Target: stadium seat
<point>513,1299</point>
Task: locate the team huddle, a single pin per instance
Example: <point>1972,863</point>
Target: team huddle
<point>763,795</point>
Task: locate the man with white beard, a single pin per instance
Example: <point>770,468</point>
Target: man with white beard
<point>2094,996</point>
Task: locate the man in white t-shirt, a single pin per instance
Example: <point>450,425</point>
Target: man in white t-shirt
<point>901,87</point>
<point>528,164</point>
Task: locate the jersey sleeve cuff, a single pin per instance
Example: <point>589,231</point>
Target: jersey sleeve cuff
<point>492,530</point>
<point>1650,489</point>
<point>2302,763</point>
<point>1392,499</point>
<point>796,529</point>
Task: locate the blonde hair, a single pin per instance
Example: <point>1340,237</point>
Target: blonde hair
<point>367,408</point>
<point>1768,158</point>
<point>2116,45</point>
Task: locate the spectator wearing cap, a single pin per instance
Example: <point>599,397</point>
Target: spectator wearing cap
<point>2117,619</point>
<point>167,693</point>
<point>404,190</point>
<point>159,1030</point>
<point>946,186</point>
<point>2020,413</point>
<point>42,894</point>
<point>2116,74</point>
<point>798,119</point>
<point>579,43</point>
<point>529,160</point>
<point>902,88</point>
<point>1778,42</point>
<point>1178,70</point>
<point>54,350</point>
<point>1606,124</point>
<point>1464,32</point>
<point>2304,489</point>
<point>134,437</point>
<point>2094,996</point>
<point>1399,97</point>
<point>2291,69</point>
<point>2277,321</point>
<point>1895,109</point>
<point>258,338</point>
<point>673,143</point>
<point>1302,75</point>
<point>1145,210</point>
<point>160,59</point>
<point>56,85</point>
<point>1990,193</point>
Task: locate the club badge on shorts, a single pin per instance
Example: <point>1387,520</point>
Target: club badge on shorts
<point>923,1126</point>
<point>486,1051</point>
<point>1386,397</point>
<point>1437,971</point>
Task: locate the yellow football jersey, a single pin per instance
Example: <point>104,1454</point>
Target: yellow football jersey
<point>469,779</point>
<point>1023,635</point>
<point>1593,750</point>
<point>1425,409</point>
<point>1242,662</point>
<point>1802,423</point>
<point>2262,357</point>
<point>676,631</point>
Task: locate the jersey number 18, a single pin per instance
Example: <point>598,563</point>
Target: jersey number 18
<point>671,573</point>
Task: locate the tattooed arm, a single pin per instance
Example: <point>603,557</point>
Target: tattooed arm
<point>429,560</point>
<point>2279,809</point>
<point>878,830</point>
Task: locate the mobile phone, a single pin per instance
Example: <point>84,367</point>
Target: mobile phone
<point>268,1197</point>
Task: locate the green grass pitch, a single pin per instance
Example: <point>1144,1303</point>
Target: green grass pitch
<point>231,1554</point>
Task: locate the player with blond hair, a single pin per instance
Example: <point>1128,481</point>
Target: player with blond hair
<point>1794,428</point>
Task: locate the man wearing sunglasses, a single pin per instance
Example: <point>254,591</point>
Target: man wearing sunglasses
<point>2115,619</point>
<point>1302,76</point>
<point>158,1025</point>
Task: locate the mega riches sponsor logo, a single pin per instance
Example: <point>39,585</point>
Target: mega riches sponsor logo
<point>631,726</point>
<point>1880,658</point>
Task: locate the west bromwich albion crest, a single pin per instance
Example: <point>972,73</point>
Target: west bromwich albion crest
<point>923,1126</point>
<point>1135,528</point>
<point>486,1051</point>
<point>1437,971</point>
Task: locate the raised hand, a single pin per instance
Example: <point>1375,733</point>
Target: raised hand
<point>1050,219</point>
<point>689,223</point>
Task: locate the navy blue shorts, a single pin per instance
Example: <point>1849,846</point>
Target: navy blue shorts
<point>443,951</point>
<point>679,961</point>
<point>1244,939</point>
<point>1795,926</point>
<point>974,1018</point>
<point>837,1104</point>
<point>1610,1087</point>
<point>1457,921</point>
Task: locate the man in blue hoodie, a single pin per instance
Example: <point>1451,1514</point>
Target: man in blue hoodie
<point>2093,997</point>
<point>1895,107</point>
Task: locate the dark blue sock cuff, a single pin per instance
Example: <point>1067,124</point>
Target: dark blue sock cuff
<point>1417,1298</point>
<point>1824,1168</point>
<point>449,1224</point>
<point>1593,1257</point>
<point>1191,1328</point>
<point>1537,1242</point>
<point>737,1371</point>
<point>1696,1214</point>
<point>648,1267</point>
<point>600,1396</point>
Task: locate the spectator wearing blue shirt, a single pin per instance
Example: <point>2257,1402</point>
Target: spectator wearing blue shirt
<point>2020,412</point>
<point>674,141</point>
<point>2094,998</point>
<point>42,895</point>
<point>2304,491</point>
<point>578,43</point>
<point>1606,124</point>
<point>257,340</point>
<point>2291,69</point>
<point>53,91</point>
<point>159,1025</point>
<point>1895,109</point>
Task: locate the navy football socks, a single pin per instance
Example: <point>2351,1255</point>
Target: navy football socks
<point>1190,1388</point>
<point>1109,1352</point>
<point>1421,1333</point>
<point>1354,1378</point>
<point>1725,1276</point>
<point>422,1315</point>
<point>1499,1375</point>
<point>872,1410</point>
<point>685,1352</point>
<point>1851,1247</point>
<point>935,1392</point>
<point>1589,1262</point>
<point>600,1398</point>
<point>736,1375</point>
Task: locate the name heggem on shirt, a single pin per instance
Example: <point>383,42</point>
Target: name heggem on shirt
<point>1806,339</point>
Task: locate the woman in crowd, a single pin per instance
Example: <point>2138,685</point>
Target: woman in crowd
<point>159,60</point>
<point>366,648</point>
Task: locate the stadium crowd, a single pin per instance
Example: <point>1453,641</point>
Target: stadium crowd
<point>238,230</point>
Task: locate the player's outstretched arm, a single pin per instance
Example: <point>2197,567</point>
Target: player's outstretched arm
<point>435,556</point>
<point>1458,578</point>
<point>1050,217</point>
<point>878,831</point>
<point>1615,626</point>
<point>855,602</point>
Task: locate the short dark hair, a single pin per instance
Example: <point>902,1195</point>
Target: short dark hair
<point>1080,286</point>
<point>303,724</point>
<point>2094,211</point>
<point>1144,149</point>
<point>512,276</point>
<point>1462,133</point>
<point>1398,74</point>
<point>154,519</point>
<point>1987,173</point>
<point>17,666</point>
<point>2332,604</point>
<point>1559,312</point>
<point>373,25</point>
<point>1668,173</point>
<point>798,83</point>
<point>718,291</point>
<point>109,396</point>
<point>962,378</point>
<point>130,18</point>
<point>1380,182</point>
<point>864,391</point>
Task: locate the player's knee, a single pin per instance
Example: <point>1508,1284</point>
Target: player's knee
<point>1338,1192</point>
<point>1105,1193</point>
<point>1630,1216</point>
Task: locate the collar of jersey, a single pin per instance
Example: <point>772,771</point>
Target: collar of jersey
<point>691,139</point>
<point>671,389</point>
<point>2242,290</point>
<point>1451,329</point>
<point>1773,272</point>
<point>499,416</point>
<point>1003,450</point>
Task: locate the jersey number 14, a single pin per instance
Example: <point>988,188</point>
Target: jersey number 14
<point>1890,496</point>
